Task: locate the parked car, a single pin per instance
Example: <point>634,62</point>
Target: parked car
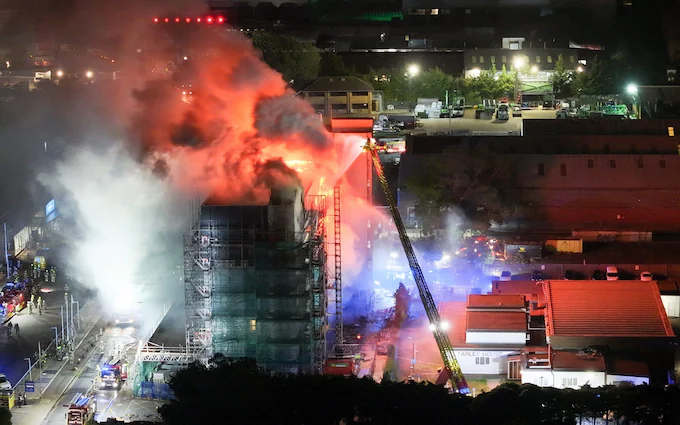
<point>516,111</point>
<point>573,275</point>
<point>598,275</point>
<point>537,276</point>
<point>4,382</point>
<point>502,112</point>
<point>457,112</point>
<point>506,276</point>
<point>612,273</point>
<point>646,277</point>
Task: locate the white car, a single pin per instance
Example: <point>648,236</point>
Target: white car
<point>646,277</point>
<point>4,382</point>
<point>517,111</point>
<point>457,112</point>
<point>612,273</point>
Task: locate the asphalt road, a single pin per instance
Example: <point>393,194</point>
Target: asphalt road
<point>111,403</point>
<point>34,328</point>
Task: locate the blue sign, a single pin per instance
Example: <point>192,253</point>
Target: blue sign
<point>50,207</point>
<point>29,386</point>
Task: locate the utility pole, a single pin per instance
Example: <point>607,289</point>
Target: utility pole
<point>4,226</point>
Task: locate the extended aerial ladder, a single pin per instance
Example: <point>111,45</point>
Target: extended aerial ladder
<point>451,368</point>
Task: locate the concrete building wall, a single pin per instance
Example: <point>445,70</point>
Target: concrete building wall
<point>514,338</point>
<point>483,362</point>
<point>563,379</point>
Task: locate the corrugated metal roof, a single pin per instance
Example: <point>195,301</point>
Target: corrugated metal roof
<point>526,287</point>
<point>513,321</point>
<point>611,309</point>
<point>326,84</point>
<point>510,301</point>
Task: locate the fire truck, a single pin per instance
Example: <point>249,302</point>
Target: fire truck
<point>340,366</point>
<point>81,409</point>
<point>113,374</point>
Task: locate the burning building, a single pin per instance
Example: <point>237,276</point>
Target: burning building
<point>255,281</point>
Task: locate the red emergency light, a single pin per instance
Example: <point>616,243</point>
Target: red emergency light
<point>188,20</point>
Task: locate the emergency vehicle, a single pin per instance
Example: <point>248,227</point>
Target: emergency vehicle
<point>113,374</point>
<point>81,409</point>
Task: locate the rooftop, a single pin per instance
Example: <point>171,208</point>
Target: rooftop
<point>510,301</point>
<point>496,321</point>
<point>572,360</point>
<point>524,287</point>
<point>338,84</point>
<point>605,309</point>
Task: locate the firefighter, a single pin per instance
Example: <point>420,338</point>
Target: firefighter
<point>16,329</point>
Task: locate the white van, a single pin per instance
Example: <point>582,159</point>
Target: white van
<point>612,273</point>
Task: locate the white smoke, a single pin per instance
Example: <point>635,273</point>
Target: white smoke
<point>129,225</point>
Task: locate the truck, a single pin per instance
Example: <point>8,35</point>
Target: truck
<point>346,366</point>
<point>81,409</point>
<point>113,374</point>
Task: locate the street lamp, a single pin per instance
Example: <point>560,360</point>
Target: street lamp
<point>30,373</point>
<point>475,72</point>
<point>89,74</point>
<point>579,69</point>
<point>534,69</point>
<point>413,70</point>
<point>518,62</point>
<point>56,335</point>
<point>631,89</point>
<point>60,73</point>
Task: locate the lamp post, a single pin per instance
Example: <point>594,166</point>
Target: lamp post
<point>30,370</point>
<point>632,90</point>
<point>56,335</point>
<point>411,71</point>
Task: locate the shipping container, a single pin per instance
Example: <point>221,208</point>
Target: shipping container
<point>571,246</point>
<point>520,252</point>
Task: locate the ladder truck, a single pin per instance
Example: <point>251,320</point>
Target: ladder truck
<point>81,409</point>
<point>451,370</point>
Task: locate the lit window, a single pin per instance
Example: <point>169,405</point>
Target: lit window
<point>549,59</point>
<point>481,59</point>
<point>538,59</point>
<point>253,325</point>
<point>434,12</point>
<point>493,59</point>
<point>671,131</point>
<point>474,59</point>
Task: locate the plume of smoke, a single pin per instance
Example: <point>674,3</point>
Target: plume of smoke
<point>129,226</point>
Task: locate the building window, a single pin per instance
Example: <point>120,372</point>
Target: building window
<point>563,170</point>
<point>253,325</point>
<point>315,94</point>
<point>474,59</point>
<point>640,163</point>
<point>338,93</point>
<point>481,59</point>
<point>360,93</point>
<point>492,59</point>
<point>434,12</point>
<point>541,170</point>
<point>339,107</point>
<point>662,163</point>
<point>549,59</point>
<point>671,132</point>
<point>359,106</point>
<point>514,45</point>
<point>572,59</point>
<point>612,163</point>
<point>538,59</point>
<point>591,163</point>
<point>504,59</point>
<point>481,360</point>
<point>569,382</point>
<point>514,370</point>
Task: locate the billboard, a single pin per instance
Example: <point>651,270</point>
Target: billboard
<point>51,211</point>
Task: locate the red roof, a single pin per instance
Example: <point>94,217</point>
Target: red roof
<point>627,367</point>
<point>570,360</point>
<point>511,301</point>
<point>526,287</point>
<point>607,309</point>
<point>667,287</point>
<point>496,321</point>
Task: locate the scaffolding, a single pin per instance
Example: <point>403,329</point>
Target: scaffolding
<point>255,283</point>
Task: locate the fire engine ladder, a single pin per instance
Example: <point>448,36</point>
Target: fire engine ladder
<point>451,368</point>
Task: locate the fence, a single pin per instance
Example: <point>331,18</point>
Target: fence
<point>46,365</point>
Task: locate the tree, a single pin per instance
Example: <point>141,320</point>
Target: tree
<point>295,59</point>
<point>596,80</point>
<point>475,180</point>
<point>402,305</point>
<point>490,84</point>
<point>561,78</point>
<point>431,84</point>
<point>332,65</point>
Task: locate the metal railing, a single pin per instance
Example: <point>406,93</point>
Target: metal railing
<point>53,352</point>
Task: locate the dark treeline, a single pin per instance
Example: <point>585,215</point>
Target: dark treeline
<point>238,392</point>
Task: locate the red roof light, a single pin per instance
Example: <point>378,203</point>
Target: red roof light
<point>167,20</point>
<point>209,19</point>
<point>198,19</point>
<point>155,19</point>
<point>188,20</point>
<point>220,19</point>
<point>176,19</point>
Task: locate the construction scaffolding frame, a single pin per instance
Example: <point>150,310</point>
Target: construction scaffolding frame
<point>339,324</point>
<point>256,289</point>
